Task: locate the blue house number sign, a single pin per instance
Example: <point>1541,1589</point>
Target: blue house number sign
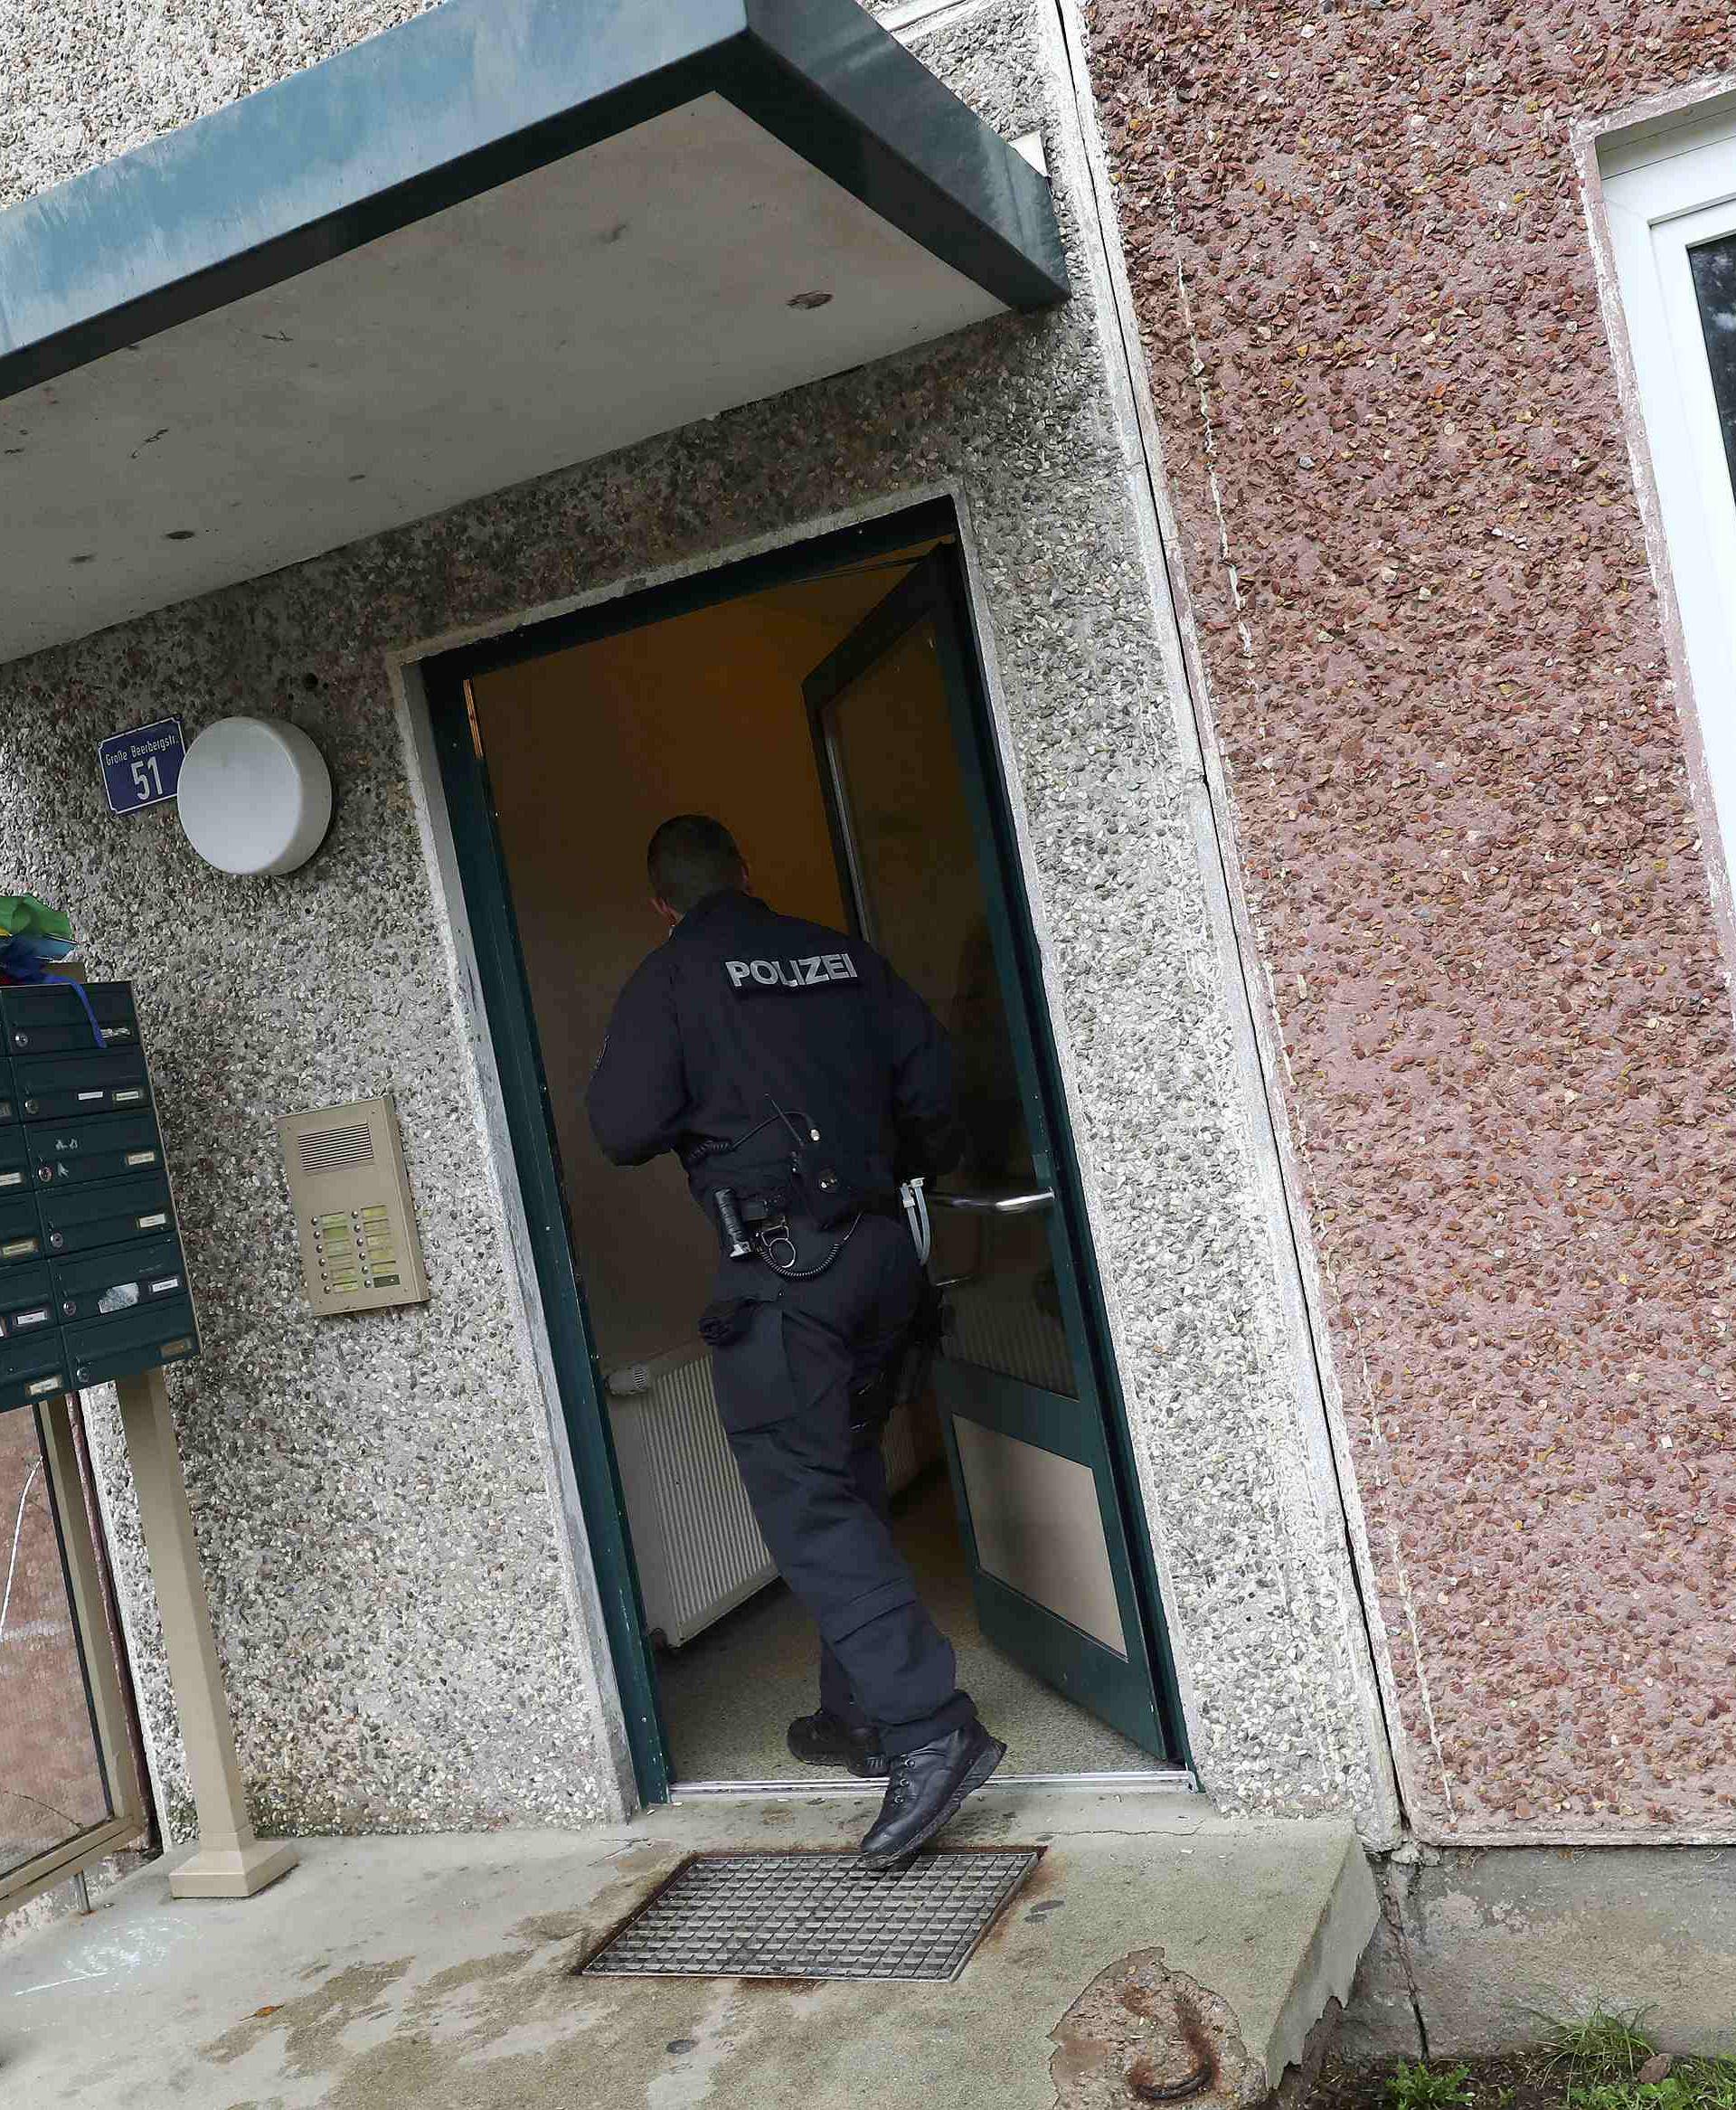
<point>143,768</point>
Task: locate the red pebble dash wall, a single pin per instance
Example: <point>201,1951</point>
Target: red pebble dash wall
<point>1436,662</point>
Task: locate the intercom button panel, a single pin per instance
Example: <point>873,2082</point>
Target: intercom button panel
<point>33,1371</point>
<point>27,1302</point>
<point>21,1243</point>
<point>50,1017</point>
<point>354,1217</point>
<point>112,1146</point>
<point>78,1220</point>
<point>8,1093</point>
<point>140,1339</point>
<point>16,1173</point>
<point>57,1087</point>
<point>119,1279</point>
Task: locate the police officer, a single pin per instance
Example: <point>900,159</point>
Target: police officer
<point>800,1080</point>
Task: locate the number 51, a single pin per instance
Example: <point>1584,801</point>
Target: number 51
<point>149,786</point>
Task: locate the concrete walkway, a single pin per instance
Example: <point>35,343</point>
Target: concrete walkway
<point>1156,1940</point>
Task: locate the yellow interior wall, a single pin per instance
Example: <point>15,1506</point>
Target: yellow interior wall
<point>588,751</point>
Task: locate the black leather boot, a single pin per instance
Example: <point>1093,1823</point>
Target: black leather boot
<point>927,1787</point>
<point>822,1739</point>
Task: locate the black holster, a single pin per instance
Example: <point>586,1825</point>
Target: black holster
<point>872,1402</point>
<point>909,1369</point>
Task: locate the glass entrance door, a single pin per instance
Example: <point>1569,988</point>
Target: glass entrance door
<point>68,1773</point>
<point>1026,1442</point>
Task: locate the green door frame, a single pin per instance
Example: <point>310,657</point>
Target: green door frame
<point>507,1002</point>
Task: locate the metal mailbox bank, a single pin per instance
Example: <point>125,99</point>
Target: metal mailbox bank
<point>93,1284</point>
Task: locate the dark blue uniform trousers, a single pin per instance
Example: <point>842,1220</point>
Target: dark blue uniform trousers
<point>809,1457</point>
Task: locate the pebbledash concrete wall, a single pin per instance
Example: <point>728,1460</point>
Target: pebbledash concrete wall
<point>1426,628</point>
<point>405,1615</point>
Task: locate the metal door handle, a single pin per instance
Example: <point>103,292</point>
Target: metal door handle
<point>993,1205</point>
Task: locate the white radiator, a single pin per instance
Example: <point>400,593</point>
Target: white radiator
<point>698,1549</point>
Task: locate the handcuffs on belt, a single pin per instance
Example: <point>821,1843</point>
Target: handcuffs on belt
<point>772,1230</point>
<point>771,1239</point>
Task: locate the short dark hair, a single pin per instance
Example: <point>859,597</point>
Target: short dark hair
<point>690,857</point>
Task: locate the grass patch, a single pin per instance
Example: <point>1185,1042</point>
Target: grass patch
<point>1690,2084</point>
<point>1591,2064</point>
<point>1599,2060</point>
<point>1602,2049</point>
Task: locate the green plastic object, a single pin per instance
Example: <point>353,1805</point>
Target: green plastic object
<point>22,914</point>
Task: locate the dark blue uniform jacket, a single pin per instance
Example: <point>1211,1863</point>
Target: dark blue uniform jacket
<point>742,1011</point>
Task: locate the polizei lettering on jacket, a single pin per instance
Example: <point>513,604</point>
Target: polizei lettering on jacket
<point>813,972</point>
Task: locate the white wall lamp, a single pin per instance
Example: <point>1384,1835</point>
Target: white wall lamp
<point>255,796</point>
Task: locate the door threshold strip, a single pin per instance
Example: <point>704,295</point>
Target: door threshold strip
<point>1172,1781</point>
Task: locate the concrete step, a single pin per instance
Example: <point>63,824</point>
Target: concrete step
<point>1155,1944</point>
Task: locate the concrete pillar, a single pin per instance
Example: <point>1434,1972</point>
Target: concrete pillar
<point>230,1862</point>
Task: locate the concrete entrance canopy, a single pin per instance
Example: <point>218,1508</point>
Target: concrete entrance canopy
<point>509,236</point>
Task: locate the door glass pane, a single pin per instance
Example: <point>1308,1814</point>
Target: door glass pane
<point>52,1784</point>
<point>1714,265</point>
<point>913,860</point>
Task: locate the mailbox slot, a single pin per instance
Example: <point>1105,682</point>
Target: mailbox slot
<point>27,1302</point>
<point>21,1243</point>
<point>15,1172</point>
<point>31,1372</point>
<point>78,1219</point>
<point>57,1087</point>
<point>50,1018</point>
<point>107,1284</point>
<point>8,1093</point>
<point>113,1146</point>
<point>138,1339</point>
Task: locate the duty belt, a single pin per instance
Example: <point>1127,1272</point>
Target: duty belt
<point>759,1226</point>
<point>772,1204</point>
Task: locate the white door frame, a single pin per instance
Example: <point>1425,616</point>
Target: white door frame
<point>1663,189</point>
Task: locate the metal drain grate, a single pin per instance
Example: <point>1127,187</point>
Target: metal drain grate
<point>816,1916</point>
